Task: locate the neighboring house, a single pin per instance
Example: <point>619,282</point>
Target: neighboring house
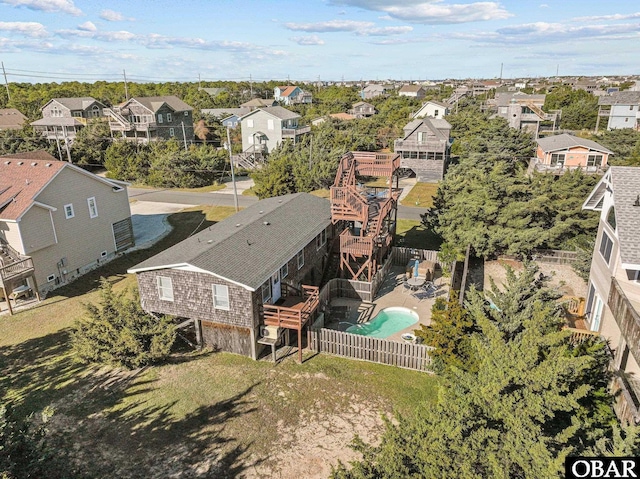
<point>569,152</point>
<point>613,301</point>
<point>373,90</point>
<point>57,220</point>
<point>244,272</point>
<point>266,128</point>
<point>11,119</point>
<point>62,118</point>
<point>432,109</point>
<point>151,118</point>
<point>620,109</point>
<point>586,85</point>
<point>425,148</point>
<point>291,95</point>
<point>220,113</point>
<point>213,92</point>
<point>412,91</point>
<point>231,121</point>
<point>336,116</point>
<point>362,109</point>
<point>258,103</point>
<point>522,111</point>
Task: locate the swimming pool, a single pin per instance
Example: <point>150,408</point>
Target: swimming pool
<point>386,322</point>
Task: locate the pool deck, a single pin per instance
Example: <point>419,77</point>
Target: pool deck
<point>391,294</point>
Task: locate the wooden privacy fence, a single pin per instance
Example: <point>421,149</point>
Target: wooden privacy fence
<point>376,350</point>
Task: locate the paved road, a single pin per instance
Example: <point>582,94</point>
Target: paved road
<point>219,199</point>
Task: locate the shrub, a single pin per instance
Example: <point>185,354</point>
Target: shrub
<point>119,332</point>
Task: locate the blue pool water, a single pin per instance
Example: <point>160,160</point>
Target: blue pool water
<point>385,323</point>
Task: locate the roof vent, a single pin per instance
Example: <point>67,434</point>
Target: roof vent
<point>637,202</point>
<point>47,165</point>
<point>210,241</point>
<point>238,225</point>
<point>20,163</point>
<point>260,211</point>
<point>266,223</point>
<point>34,163</point>
<point>7,162</point>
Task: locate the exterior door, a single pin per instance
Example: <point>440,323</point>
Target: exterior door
<point>276,290</point>
<point>597,315</point>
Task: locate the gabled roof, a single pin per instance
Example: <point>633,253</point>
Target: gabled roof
<point>504,98</point>
<point>361,103</point>
<point>410,88</point>
<point>287,90</point>
<point>225,112</point>
<point>258,103</point>
<point>624,184</point>
<point>10,119</point>
<point>277,111</point>
<point>58,121</point>
<point>24,175</point>
<point>154,103</point>
<point>80,103</point>
<point>434,102</point>
<point>566,141</point>
<point>213,91</point>
<point>248,247</point>
<point>620,98</point>
<point>435,125</point>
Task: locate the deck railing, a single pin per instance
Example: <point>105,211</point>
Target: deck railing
<point>347,204</point>
<point>376,164</point>
<point>293,317</point>
<point>291,132</point>
<point>356,245</point>
<point>426,146</point>
<point>16,269</point>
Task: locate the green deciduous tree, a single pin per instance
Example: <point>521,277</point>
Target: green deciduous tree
<point>119,332</point>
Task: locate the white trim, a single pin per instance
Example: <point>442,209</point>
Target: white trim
<point>36,203</point>
<point>66,215</point>
<point>215,305</point>
<point>161,288</point>
<point>55,235</point>
<point>188,267</point>
<point>95,207</point>
<point>632,266</point>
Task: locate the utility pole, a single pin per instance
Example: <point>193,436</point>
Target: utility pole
<point>184,136</point>
<point>310,149</point>
<point>6,83</point>
<point>501,66</point>
<point>557,70</point>
<point>199,84</point>
<point>233,175</point>
<point>126,89</point>
<point>250,86</point>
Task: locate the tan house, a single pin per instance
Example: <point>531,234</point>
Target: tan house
<point>412,91</point>
<point>57,221</point>
<point>568,152</point>
<point>11,119</point>
<point>613,301</point>
<point>62,118</point>
<point>362,109</point>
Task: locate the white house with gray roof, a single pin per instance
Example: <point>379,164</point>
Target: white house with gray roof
<point>264,129</point>
<point>425,148</point>
<point>432,109</point>
<point>620,110</point>
<point>613,302</point>
<point>224,277</point>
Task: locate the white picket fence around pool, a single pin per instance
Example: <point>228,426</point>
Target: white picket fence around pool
<point>377,350</point>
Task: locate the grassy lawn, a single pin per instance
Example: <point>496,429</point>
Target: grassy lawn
<point>249,192</point>
<point>199,406</point>
<point>411,234</point>
<point>421,195</point>
<point>204,189</point>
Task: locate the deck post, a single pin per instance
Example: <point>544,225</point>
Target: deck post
<point>300,345</point>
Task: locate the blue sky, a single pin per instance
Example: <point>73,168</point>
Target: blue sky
<point>309,39</point>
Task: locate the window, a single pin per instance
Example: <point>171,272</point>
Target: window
<point>186,113</point>
<point>165,288</point>
<point>169,119</point>
<point>435,113</point>
<point>93,208</point>
<point>300,258</point>
<point>68,211</point>
<point>557,159</point>
<point>594,160</point>
<point>51,277</point>
<point>284,271</point>
<point>221,297</point>
<point>172,132</point>
<point>637,280</point>
<point>321,239</point>
<point>606,244</point>
<point>250,123</point>
<point>159,117</point>
<point>266,291</point>
<point>611,217</point>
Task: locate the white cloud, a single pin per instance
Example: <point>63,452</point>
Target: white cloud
<point>9,45</point>
<point>330,26</point>
<point>432,11</point>
<point>616,16</point>
<point>384,31</point>
<point>30,29</point>
<point>64,6</point>
<point>87,26</point>
<point>113,16</point>
<point>310,40</point>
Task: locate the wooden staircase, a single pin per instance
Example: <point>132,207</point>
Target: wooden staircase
<point>250,159</point>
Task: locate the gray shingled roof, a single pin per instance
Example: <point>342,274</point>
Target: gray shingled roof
<point>80,103</point>
<point>154,103</point>
<point>620,98</point>
<point>277,111</point>
<point>410,88</point>
<point>566,141</point>
<point>504,98</point>
<point>242,248</point>
<point>433,124</point>
<point>225,112</point>
<point>625,181</point>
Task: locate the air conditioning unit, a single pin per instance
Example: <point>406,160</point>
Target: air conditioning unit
<point>270,332</point>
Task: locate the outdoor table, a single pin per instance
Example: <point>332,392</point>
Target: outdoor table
<point>416,282</point>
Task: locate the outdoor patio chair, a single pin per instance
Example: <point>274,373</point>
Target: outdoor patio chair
<point>405,286</point>
<point>420,295</point>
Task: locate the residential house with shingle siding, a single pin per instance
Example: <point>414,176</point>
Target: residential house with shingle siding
<point>62,118</point>
<point>568,152</point>
<point>620,109</point>
<point>373,90</point>
<point>151,118</point>
<point>425,148</point>
<point>432,109</point>
<point>224,277</point>
<point>521,110</point>
<point>291,95</point>
<point>67,220</point>
<point>362,109</point>
<point>412,91</point>
<point>613,301</point>
<point>11,119</point>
